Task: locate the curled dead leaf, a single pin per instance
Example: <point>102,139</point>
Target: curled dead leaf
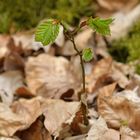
<point>117,108</point>
<point>119,72</point>
<point>36,131</point>
<point>100,71</point>
<point>100,131</point>
<point>50,76</point>
<point>105,72</point>
<point>57,113</point>
<point>22,114</point>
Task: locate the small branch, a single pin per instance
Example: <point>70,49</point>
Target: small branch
<point>74,45</point>
<point>106,42</point>
<point>83,105</point>
<point>82,24</point>
<point>81,62</point>
<point>70,36</point>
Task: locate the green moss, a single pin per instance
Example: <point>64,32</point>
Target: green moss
<point>127,49</point>
<point>4,23</point>
<point>25,14</point>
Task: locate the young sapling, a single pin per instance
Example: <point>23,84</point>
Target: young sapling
<point>47,32</point>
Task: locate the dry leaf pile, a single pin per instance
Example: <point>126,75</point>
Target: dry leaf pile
<point>39,89</point>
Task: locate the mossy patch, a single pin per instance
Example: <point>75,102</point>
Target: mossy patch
<point>25,14</point>
<point>127,49</point>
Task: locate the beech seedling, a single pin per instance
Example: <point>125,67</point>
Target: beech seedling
<point>48,31</point>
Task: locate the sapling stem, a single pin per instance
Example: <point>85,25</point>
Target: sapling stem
<point>84,106</point>
<point>82,65</point>
<point>70,36</point>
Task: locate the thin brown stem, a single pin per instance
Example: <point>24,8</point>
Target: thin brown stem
<point>84,106</point>
<point>81,62</point>
<point>71,38</point>
<point>83,73</point>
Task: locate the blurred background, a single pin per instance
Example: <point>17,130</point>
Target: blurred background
<point>124,44</point>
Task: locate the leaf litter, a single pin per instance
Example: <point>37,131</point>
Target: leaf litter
<point>39,91</point>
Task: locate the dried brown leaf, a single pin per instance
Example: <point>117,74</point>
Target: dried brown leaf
<point>116,5</point>
<point>9,82</point>
<point>120,109</point>
<point>13,61</point>
<point>119,72</point>
<point>100,131</point>
<point>22,114</point>
<point>57,113</point>
<point>100,71</point>
<point>78,123</point>
<point>35,132</point>
<point>6,138</point>
<point>105,72</point>
<point>128,134</point>
<point>50,76</point>
<point>23,92</point>
<point>3,43</point>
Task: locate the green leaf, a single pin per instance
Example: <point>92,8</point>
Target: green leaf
<point>100,25</point>
<point>87,54</point>
<point>47,32</point>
